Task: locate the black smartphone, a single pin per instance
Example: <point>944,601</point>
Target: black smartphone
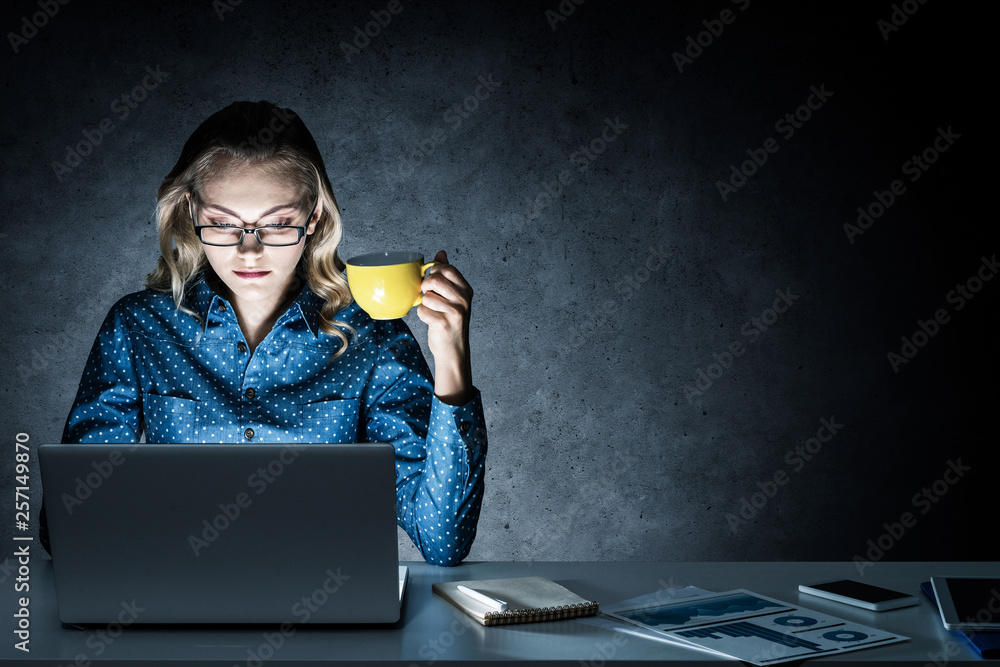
<point>866,596</point>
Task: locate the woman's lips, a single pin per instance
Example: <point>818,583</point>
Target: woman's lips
<point>251,275</point>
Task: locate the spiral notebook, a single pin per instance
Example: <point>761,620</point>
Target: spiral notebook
<point>529,600</point>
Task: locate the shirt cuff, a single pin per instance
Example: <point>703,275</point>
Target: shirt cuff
<point>460,424</point>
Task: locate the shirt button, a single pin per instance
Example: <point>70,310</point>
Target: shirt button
<point>464,427</point>
<point>250,393</point>
<point>248,434</point>
<point>241,346</point>
<point>222,308</point>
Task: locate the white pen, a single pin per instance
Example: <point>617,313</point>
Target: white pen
<point>499,605</point>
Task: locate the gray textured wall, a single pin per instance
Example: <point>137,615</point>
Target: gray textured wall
<point>598,300</point>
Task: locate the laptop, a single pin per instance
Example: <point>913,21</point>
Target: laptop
<point>223,533</point>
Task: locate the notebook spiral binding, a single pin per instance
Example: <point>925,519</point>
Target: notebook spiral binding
<point>514,616</point>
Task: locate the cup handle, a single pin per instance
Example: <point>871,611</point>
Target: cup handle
<point>423,272</point>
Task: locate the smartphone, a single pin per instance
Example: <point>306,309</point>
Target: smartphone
<point>858,594</point>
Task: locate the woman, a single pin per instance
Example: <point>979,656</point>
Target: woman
<point>247,332</point>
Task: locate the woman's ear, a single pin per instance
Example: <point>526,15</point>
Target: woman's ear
<point>314,217</point>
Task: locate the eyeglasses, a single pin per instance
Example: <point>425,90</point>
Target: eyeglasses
<point>231,235</point>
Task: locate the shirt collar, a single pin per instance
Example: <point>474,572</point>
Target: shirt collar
<point>205,302</point>
<point>306,306</point>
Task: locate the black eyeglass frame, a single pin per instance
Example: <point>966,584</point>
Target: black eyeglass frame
<point>243,230</point>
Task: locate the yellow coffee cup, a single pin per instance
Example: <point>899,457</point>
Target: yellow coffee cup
<point>387,284</point>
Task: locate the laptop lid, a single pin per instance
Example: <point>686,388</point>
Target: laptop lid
<point>223,533</point>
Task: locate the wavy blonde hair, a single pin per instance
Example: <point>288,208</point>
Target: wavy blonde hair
<point>262,135</point>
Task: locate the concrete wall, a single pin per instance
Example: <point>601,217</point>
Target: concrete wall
<point>672,368</point>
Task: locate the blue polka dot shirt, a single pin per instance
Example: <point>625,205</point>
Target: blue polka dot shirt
<point>158,372</point>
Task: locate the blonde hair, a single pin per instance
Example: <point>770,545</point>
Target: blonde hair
<point>260,135</point>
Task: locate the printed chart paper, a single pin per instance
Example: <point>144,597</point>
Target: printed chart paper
<point>750,627</point>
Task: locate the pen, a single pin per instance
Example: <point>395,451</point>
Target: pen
<point>499,605</point>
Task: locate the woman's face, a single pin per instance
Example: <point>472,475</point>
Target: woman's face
<point>256,276</point>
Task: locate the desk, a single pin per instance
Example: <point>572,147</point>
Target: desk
<point>432,631</point>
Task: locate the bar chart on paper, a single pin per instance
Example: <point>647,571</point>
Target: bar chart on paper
<point>744,629</point>
<point>753,628</point>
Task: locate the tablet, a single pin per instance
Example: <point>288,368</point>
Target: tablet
<point>968,603</point>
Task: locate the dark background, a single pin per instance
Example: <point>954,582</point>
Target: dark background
<point>593,313</point>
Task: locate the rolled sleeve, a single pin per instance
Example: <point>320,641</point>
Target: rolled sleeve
<point>454,472</point>
<point>440,450</point>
